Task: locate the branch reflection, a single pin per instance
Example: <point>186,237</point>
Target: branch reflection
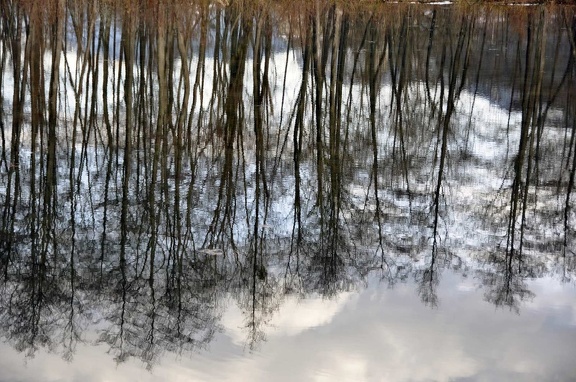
<point>156,169</point>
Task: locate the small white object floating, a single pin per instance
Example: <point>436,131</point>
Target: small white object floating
<point>211,251</point>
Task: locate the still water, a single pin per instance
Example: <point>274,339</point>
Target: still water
<point>206,192</point>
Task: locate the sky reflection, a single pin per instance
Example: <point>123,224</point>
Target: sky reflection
<point>374,334</point>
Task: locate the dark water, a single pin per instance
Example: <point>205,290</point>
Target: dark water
<point>201,193</point>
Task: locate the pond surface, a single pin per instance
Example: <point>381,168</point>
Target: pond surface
<point>209,193</point>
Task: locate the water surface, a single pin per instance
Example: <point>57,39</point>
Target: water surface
<point>206,193</point>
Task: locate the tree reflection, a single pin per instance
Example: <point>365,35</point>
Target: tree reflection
<point>156,168</point>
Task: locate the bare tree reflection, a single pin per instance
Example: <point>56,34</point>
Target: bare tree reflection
<point>159,163</point>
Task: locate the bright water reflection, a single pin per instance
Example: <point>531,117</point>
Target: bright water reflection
<point>375,334</point>
<point>217,194</point>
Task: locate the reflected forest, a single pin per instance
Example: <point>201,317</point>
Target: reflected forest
<point>161,160</point>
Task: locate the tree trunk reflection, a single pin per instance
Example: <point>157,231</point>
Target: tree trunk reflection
<point>159,164</point>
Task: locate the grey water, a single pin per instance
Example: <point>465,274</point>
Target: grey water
<point>215,193</point>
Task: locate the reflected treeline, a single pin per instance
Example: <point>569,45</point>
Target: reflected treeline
<point>160,161</point>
